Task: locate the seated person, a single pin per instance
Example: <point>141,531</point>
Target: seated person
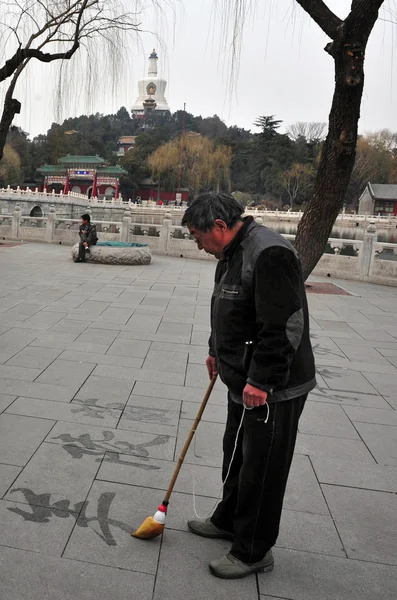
<point>88,237</point>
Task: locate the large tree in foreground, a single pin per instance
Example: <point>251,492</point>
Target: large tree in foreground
<point>349,39</point>
<point>54,30</point>
<point>347,49</point>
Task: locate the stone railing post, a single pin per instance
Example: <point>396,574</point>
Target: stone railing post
<point>366,254</point>
<point>50,226</point>
<point>125,227</point>
<point>16,222</point>
<point>165,231</point>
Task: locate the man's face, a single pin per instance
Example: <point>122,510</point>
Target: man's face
<point>84,222</point>
<point>212,241</point>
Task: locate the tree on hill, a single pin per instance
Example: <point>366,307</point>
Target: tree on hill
<point>10,166</point>
<point>204,164</point>
<point>54,30</point>
<point>297,181</point>
<point>309,131</point>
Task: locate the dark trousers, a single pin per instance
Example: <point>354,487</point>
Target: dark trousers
<point>254,491</point>
<point>82,252</point>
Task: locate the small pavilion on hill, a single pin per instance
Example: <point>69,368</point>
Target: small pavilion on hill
<point>87,175</point>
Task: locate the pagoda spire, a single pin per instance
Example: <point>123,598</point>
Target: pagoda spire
<point>153,58</point>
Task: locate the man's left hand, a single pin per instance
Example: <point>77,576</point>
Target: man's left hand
<point>85,244</point>
<point>253,396</point>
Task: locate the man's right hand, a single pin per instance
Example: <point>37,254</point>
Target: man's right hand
<point>211,366</point>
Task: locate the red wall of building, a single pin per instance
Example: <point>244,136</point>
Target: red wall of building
<point>152,193</point>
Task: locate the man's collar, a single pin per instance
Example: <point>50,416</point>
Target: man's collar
<point>238,238</point>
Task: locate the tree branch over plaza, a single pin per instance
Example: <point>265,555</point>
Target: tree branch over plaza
<point>54,30</point>
<point>349,39</point>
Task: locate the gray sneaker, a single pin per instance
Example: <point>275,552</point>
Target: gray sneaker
<point>208,530</point>
<point>230,567</point>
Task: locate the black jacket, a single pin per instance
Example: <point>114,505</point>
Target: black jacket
<point>259,296</point>
<point>88,234</point>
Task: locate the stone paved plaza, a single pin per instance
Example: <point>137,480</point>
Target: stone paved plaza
<point>101,373</point>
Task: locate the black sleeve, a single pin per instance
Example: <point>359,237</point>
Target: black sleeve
<point>279,317</point>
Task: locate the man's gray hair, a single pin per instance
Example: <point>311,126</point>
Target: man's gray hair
<point>208,207</point>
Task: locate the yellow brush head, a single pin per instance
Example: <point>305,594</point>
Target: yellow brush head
<point>149,529</point>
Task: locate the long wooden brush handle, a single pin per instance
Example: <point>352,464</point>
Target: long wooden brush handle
<point>189,439</point>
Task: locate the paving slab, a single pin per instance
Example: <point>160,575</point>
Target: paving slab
<point>355,474</point>
<point>43,320</point>
<point>101,359</point>
<point>35,528</point>
<point>143,323</point>
<point>79,411</point>
<point>5,401</point>
<point>175,362</point>
<point>8,474</point>
<point>214,413</point>
<point>178,392</point>
<point>195,579</point>
<point>63,579</point>
<point>206,448</point>
<point>14,340</point>
<point>103,532</point>
<point>309,532</point>
<point>308,576</point>
<point>321,394</point>
<point>63,372</point>
<point>128,347</point>
<point>34,389</point>
<point>55,475</point>
<point>92,440</point>
<point>366,521</point>
<point>69,325</point>
<point>350,381</point>
<point>156,474</point>
<point>32,358</point>
<point>53,339</point>
<point>364,367</point>
<point>384,384</point>
<point>105,391</point>
<point>91,308</point>
<point>115,315</point>
<point>118,373</point>
<point>20,437</point>
<point>338,448</point>
<point>150,415</point>
<point>381,441</point>
<point>371,415</point>
<point>303,491</point>
<point>319,418</point>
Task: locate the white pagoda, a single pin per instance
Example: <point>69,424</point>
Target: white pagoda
<point>151,91</point>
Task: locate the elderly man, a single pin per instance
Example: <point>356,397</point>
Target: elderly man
<point>260,347</point>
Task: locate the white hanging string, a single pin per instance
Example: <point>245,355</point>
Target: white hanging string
<point>230,464</point>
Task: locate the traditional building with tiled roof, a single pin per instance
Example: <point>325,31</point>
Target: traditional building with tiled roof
<point>378,199</point>
<point>89,175</point>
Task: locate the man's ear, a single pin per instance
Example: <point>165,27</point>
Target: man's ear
<point>220,224</point>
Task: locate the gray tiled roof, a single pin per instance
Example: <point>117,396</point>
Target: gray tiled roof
<point>383,191</point>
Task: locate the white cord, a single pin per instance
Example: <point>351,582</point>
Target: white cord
<point>230,464</point>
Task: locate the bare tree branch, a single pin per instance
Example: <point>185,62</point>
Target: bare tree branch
<point>39,24</point>
<point>323,16</point>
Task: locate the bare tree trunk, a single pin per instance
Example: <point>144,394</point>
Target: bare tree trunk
<point>11,108</point>
<point>338,154</point>
<point>335,168</point>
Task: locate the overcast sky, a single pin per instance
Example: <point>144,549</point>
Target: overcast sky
<point>283,70</point>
